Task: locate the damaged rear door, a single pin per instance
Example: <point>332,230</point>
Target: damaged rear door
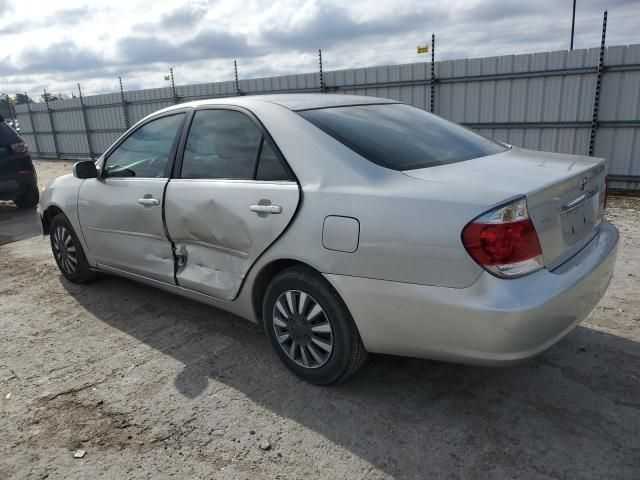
<point>231,196</point>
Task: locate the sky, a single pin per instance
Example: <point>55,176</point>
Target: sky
<point>56,44</point>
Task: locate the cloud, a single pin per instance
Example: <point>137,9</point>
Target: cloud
<point>70,16</point>
<point>5,7</point>
<point>66,16</point>
<point>493,10</point>
<point>13,26</point>
<point>10,28</point>
<point>321,26</point>
<point>204,45</point>
<point>64,56</point>
<point>183,18</point>
<point>94,43</point>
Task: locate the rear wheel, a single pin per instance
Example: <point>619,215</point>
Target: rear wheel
<point>68,252</point>
<point>311,328</point>
<point>28,199</point>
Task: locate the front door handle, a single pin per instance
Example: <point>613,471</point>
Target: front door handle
<point>148,201</point>
<point>266,208</point>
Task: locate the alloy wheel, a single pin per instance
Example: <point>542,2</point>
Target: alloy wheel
<point>302,329</point>
<point>65,250</point>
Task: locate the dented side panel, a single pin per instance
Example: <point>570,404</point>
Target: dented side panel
<point>213,226</point>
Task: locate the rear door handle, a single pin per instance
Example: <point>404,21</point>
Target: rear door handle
<point>149,201</point>
<point>266,208</point>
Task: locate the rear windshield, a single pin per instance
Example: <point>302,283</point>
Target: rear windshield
<point>401,137</point>
<point>8,135</point>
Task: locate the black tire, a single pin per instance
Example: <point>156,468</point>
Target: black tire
<point>67,251</point>
<point>28,199</point>
<point>347,353</point>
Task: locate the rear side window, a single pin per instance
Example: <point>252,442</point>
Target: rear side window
<point>221,144</point>
<point>8,135</point>
<point>401,137</point>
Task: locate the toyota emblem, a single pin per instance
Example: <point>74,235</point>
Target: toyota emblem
<point>582,184</point>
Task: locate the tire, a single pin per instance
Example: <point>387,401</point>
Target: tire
<point>28,199</point>
<point>328,346</point>
<point>67,251</point>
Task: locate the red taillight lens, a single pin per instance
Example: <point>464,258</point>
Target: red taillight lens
<point>19,147</point>
<point>504,241</point>
<point>497,244</point>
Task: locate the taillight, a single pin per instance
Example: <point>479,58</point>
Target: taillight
<point>504,241</point>
<point>19,147</point>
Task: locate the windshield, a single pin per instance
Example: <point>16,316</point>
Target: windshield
<point>399,136</point>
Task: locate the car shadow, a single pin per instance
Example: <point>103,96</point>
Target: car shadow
<point>17,223</point>
<point>573,412</point>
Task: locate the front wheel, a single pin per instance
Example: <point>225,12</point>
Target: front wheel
<point>311,328</point>
<point>68,252</point>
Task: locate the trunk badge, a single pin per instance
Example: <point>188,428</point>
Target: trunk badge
<point>582,183</point>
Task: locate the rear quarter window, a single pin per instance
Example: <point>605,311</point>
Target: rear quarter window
<point>8,135</point>
<point>399,136</point>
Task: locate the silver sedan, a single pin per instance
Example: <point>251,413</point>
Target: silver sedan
<point>345,225</point>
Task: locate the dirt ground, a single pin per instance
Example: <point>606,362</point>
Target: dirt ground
<point>156,386</point>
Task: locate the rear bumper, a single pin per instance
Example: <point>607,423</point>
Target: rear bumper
<point>13,185</point>
<point>492,322</point>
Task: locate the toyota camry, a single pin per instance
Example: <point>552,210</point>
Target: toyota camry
<point>344,225</point>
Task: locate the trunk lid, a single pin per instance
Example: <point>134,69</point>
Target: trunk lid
<point>563,193</point>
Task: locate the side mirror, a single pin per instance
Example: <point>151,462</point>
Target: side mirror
<point>85,169</point>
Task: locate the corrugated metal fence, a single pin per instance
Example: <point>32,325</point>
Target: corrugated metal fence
<point>543,101</point>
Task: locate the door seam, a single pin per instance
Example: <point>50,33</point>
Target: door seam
<point>166,232</point>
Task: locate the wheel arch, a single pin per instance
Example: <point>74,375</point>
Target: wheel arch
<point>50,212</point>
<point>268,273</point>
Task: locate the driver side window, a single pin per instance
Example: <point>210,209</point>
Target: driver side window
<point>145,153</point>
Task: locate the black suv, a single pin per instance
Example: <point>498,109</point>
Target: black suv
<point>18,181</point>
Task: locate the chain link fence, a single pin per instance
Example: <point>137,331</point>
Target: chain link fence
<point>580,101</point>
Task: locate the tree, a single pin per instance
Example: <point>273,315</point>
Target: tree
<point>54,96</point>
<point>21,99</point>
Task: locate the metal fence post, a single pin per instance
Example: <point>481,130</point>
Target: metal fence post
<point>34,130</point>
<point>596,96</point>
<point>573,24</point>
<point>433,71</point>
<point>322,86</point>
<point>86,123</point>
<point>173,87</point>
<point>11,113</point>
<point>125,111</point>
<point>56,151</point>
<point>235,71</point>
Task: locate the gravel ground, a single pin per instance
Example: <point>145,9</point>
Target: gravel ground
<point>155,386</point>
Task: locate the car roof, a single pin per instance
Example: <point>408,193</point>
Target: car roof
<point>309,101</point>
<point>291,101</point>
